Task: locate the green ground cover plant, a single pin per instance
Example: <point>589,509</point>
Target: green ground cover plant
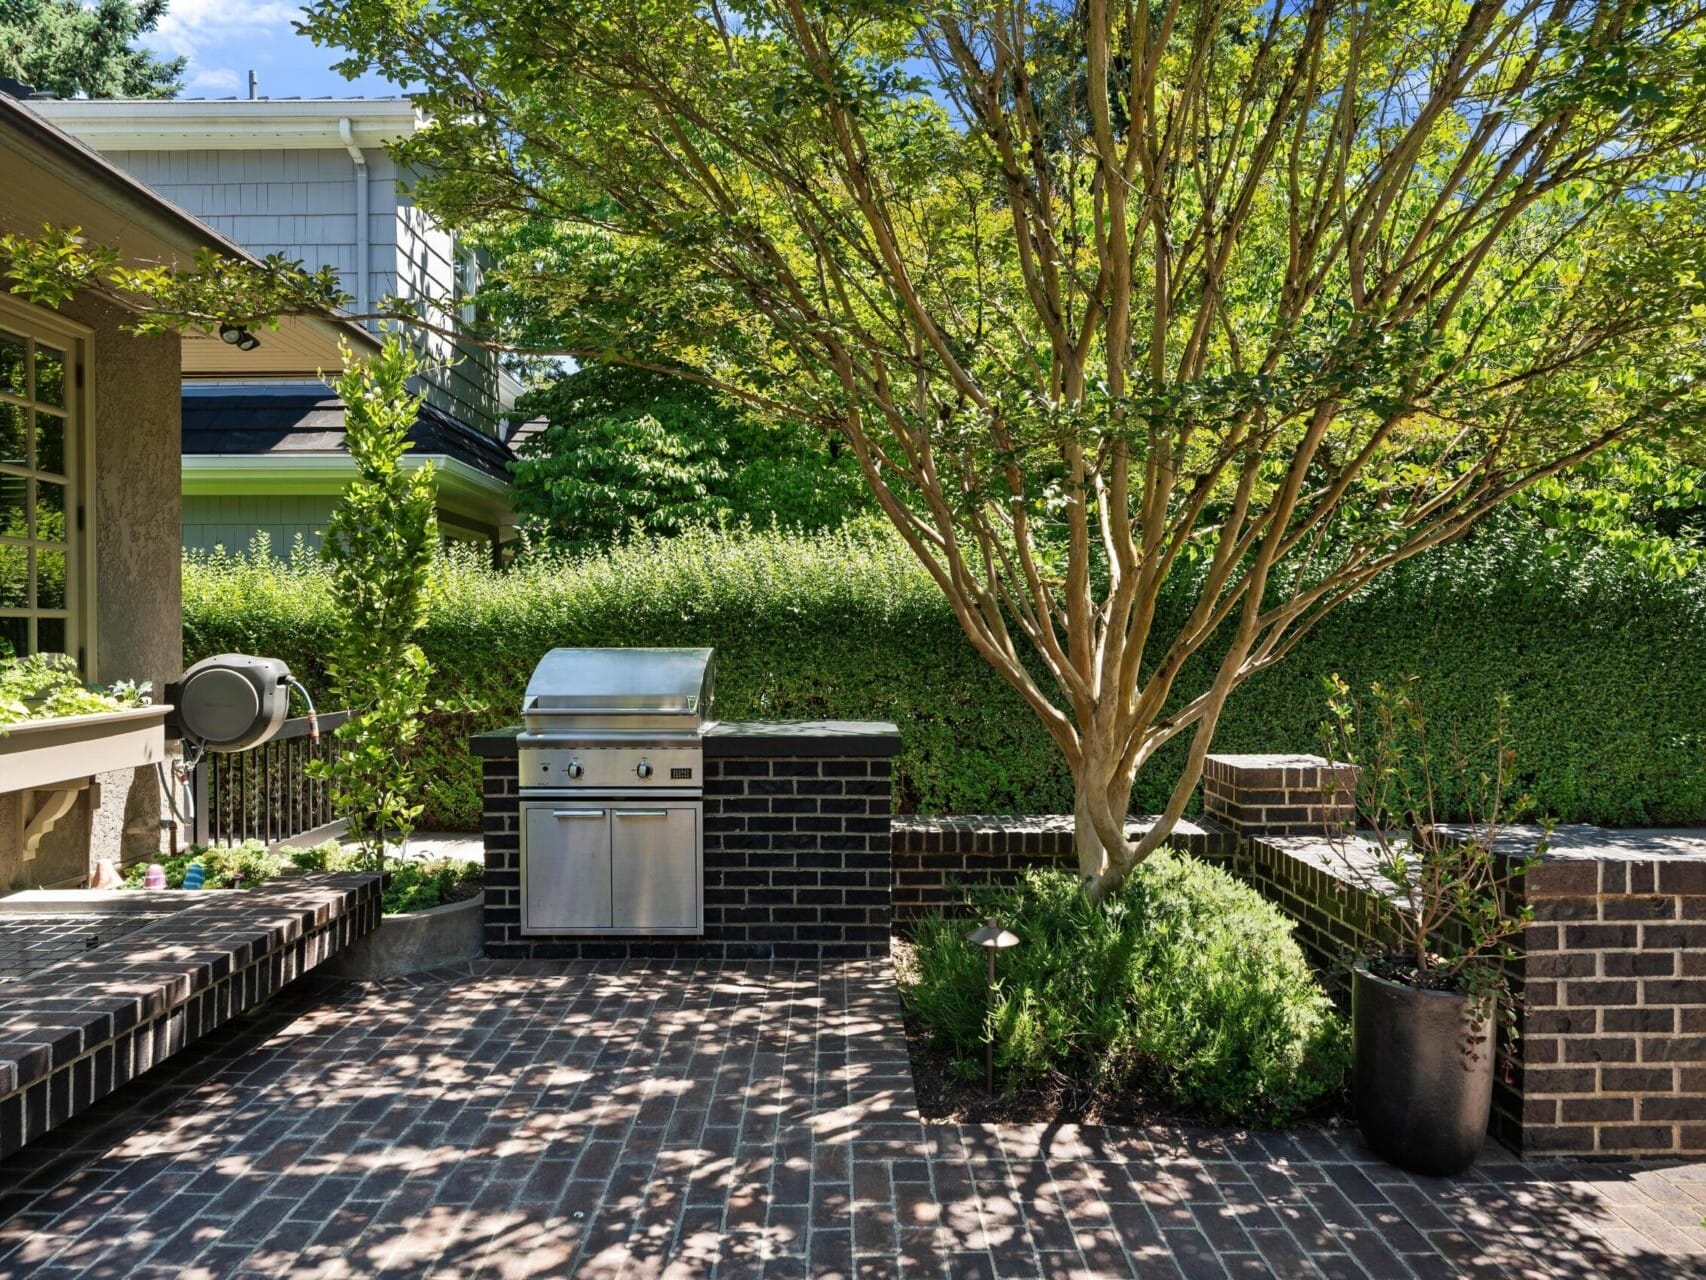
<point>1603,663</point>
<point>410,885</point>
<point>44,686</point>
<point>1184,987</point>
<point>240,866</point>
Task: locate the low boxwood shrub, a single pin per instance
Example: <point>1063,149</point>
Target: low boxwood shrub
<point>1184,988</point>
<point>1604,664</point>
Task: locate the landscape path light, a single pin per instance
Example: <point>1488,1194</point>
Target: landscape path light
<point>992,938</point>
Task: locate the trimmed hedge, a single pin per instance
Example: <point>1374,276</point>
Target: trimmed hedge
<point>1605,667</point>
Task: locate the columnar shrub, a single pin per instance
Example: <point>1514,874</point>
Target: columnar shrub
<point>379,552</point>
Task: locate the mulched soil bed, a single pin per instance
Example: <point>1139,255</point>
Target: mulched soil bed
<point>944,1097</point>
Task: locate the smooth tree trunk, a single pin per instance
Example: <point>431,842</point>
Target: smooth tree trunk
<point>1094,855</point>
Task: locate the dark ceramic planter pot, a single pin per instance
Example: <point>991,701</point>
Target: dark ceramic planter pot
<point>1422,1097</point>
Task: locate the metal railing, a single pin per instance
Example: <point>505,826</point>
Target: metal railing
<point>265,793</point>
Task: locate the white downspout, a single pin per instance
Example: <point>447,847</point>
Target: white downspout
<point>346,135</point>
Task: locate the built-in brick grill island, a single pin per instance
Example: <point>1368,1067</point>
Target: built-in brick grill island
<point>612,792</point>
<point>622,818</point>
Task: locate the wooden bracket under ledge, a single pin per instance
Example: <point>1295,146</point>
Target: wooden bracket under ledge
<point>44,809</point>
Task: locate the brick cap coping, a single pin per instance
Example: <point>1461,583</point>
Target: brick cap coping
<point>783,738</point>
<point>1676,856</point>
<point>57,1013</point>
<point>775,739</point>
<point>1605,844</point>
<point>1044,823</point>
<point>1271,760</point>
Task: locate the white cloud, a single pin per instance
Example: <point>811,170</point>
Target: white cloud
<point>222,40</point>
<point>190,25</point>
<point>213,80</point>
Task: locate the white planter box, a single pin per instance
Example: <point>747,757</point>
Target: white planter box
<point>51,753</point>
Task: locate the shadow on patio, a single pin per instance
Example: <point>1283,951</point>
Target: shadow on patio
<point>554,1119</point>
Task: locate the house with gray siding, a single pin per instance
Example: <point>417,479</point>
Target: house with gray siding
<point>90,533</point>
<point>313,180</point>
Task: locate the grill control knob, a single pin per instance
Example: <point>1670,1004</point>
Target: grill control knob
<point>644,768</point>
<point>575,769</point>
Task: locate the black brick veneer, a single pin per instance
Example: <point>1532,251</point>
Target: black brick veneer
<point>72,1033</point>
<point>796,863</point>
<point>937,858</point>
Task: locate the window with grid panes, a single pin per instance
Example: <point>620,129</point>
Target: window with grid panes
<point>38,515</point>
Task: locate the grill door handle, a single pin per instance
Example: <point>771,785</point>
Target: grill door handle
<point>577,813</point>
<point>642,813</point>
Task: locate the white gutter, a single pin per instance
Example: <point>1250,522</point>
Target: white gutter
<point>320,473</point>
<point>109,124</point>
<point>346,135</point>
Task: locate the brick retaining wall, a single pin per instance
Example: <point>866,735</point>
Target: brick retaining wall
<point>72,1033</point>
<point>1614,1017</point>
<point>1333,915</point>
<point>935,858</point>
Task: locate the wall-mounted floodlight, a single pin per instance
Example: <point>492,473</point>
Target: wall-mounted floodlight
<point>237,336</point>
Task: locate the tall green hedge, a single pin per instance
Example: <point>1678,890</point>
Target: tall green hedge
<point>1605,667</point>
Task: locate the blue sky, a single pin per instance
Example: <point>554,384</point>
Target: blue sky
<point>224,41</point>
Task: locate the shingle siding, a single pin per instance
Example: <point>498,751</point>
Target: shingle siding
<point>302,204</point>
<point>233,521</point>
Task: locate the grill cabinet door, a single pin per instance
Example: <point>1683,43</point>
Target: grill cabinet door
<point>654,861</point>
<point>565,866</point>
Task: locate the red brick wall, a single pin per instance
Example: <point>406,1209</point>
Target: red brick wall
<point>1279,794</point>
<point>1613,1053</point>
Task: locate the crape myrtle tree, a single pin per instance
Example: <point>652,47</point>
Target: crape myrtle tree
<point>1267,298</point>
<point>1249,303</point>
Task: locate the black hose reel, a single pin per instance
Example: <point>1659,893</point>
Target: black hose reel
<point>223,704</point>
<point>231,702</point>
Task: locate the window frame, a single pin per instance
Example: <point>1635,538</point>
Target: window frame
<point>42,327</point>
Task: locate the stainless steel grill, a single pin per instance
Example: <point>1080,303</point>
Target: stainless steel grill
<point>612,791</point>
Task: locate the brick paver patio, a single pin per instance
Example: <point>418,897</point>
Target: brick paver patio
<point>633,1120</point>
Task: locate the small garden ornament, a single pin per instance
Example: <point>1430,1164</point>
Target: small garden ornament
<point>1427,999</point>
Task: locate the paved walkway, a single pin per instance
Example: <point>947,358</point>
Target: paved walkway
<point>592,1120</point>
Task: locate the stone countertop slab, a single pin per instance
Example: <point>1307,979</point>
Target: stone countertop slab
<point>723,738</point>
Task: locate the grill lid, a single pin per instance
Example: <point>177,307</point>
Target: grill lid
<point>622,682</point>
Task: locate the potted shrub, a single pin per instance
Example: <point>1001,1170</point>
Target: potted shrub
<point>1428,997</point>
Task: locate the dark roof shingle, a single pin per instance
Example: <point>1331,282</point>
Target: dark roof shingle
<point>245,421</point>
